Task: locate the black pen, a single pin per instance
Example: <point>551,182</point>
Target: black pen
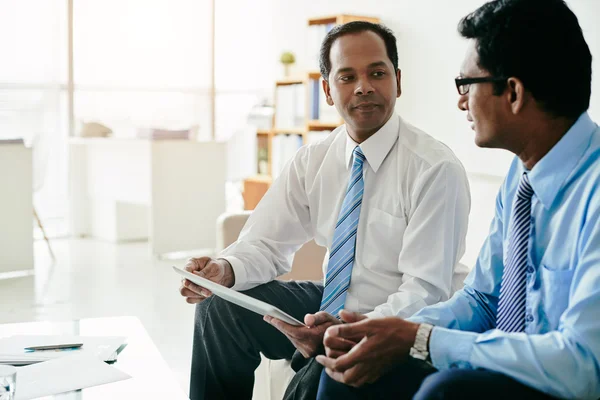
<point>66,346</point>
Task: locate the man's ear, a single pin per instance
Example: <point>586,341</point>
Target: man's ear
<point>327,91</point>
<point>398,82</point>
<point>516,95</point>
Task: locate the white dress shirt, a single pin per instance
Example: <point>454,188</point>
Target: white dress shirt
<point>412,226</point>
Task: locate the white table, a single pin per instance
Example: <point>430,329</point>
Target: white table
<point>16,209</point>
<point>170,191</point>
<point>151,376</point>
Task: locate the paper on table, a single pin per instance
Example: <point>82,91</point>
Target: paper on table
<point>64,374</point>
<point>12,349</point>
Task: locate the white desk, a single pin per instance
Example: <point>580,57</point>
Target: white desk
<point>170,191</point>
<point>151,376</point>
<point>16,208</point>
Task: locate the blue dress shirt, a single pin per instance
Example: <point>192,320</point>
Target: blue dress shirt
<point>559,352</point>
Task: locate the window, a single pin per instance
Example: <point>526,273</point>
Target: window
<point>33,102</point>
<point>141,64</point>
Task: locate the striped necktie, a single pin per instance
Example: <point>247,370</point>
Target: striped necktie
<point>341,258</point>
<point>511,307</point>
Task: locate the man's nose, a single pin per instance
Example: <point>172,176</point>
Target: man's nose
<point>463,102</point>
<point>364,87</point>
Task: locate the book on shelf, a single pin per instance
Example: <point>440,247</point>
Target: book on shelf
<point>284,147</point>
<point>314,90</point>
<point>290,107</point>
<point>316,34</point>
<point>318,108</point>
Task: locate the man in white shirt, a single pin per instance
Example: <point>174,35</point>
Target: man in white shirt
<point>388,201</point>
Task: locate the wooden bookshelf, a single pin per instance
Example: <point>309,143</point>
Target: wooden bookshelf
<point>256,187</point>
<point>341,19</point>
<point>287,82</point>
<point>295,131</point>
<point>314,74</point>
<point>316,125</point>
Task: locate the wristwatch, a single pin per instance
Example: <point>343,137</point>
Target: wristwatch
<point>420,349</point>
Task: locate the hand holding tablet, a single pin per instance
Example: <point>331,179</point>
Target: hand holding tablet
<point>238,298</point>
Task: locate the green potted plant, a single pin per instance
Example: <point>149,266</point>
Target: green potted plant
<point>287,58</point>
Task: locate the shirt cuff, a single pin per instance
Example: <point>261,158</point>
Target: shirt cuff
<point>241,276</point>
<point>451,348</point>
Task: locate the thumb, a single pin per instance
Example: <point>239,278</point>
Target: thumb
<point>349,316</point>
<point>319,318</point>
<point>212,270</point>
<point>353,331</point>
<point>196,264</point>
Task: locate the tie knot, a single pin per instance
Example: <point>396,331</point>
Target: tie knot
<point>358,155</point>
<point>525,190</point>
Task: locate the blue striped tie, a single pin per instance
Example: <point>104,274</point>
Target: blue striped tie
<point>341,257</point>
<point>511,307</point>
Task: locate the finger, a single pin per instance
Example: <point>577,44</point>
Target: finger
<point>196,264</point>
<point>333,353</point>
<point>310,320</point>
<point>319,318</point>
<point>354,357</point>
<point>326,362</point>
<point>354,331</point>
<point>283,326</point>
<point>195,300</point>
<point>213,271</point>
<point>185,292</point>
<point>362,377</point>
<point>349,316</point>
<point>356,376</point>
<point>338,343</point>
<point>336,376</point>
<point>199,290</point>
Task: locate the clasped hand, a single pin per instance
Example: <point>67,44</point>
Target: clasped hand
<point>364,349</point>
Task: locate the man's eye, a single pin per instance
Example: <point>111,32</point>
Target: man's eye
<point>378,74</point>
<point>346,78</point>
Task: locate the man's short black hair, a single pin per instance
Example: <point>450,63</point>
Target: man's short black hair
<point>541,43</point>
<point>356,27</point>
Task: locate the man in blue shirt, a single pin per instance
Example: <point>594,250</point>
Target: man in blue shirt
<point>527,322</point>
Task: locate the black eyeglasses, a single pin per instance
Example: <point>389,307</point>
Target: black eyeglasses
<point>463,84</point>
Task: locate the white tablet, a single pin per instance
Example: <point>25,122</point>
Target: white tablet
<point>238,298</point>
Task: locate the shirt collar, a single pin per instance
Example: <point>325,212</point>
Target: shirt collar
<point>377,147</point>
<point>549,175</point>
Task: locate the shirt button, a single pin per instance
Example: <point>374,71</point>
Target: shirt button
<point>529,318</point>
<point>529,269</point>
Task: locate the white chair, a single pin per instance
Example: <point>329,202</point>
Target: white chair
<point>273,376</point>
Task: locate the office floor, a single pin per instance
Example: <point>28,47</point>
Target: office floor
<point>93,279</point>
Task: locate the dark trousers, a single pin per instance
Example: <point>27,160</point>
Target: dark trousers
<point>418,380</point>
<point>228,340</point>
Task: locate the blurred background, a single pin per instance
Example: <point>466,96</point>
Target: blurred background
<point>127,127</point>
